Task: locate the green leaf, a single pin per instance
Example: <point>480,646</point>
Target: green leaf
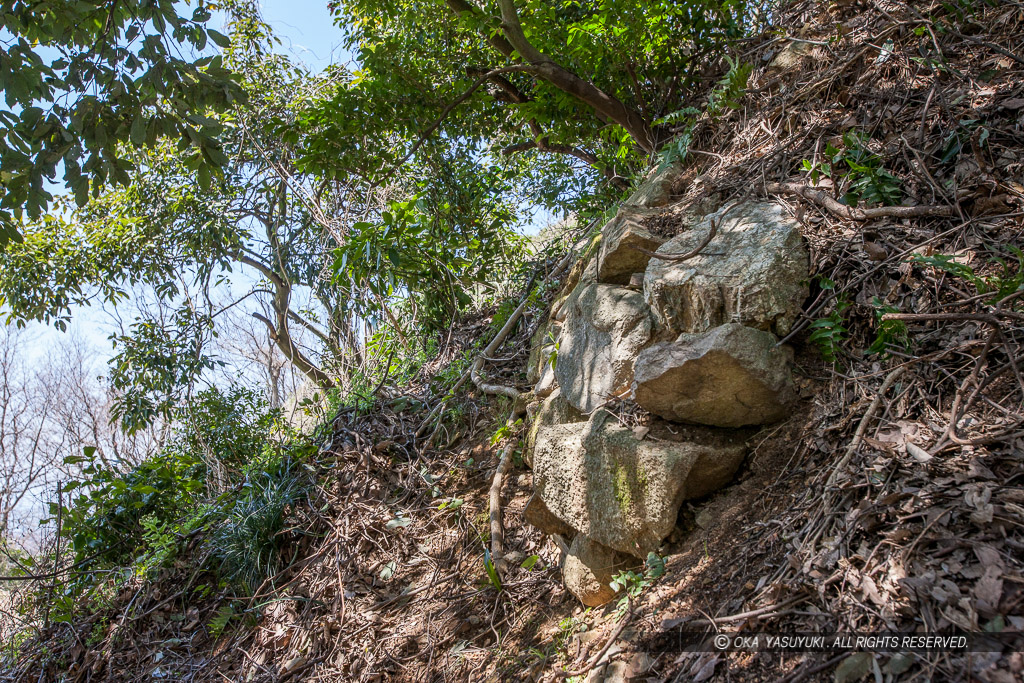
<point>218,38</point>
<point>492,572</point>
<point>399,522</point>
<point>138,130</point>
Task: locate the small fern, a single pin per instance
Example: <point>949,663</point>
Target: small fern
<point>219,623</point>
<point>726,95</point>
<point>829,333</point>
<point>891,333</point>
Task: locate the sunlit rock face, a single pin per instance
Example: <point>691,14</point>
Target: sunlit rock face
<point>753,272</point>
<point>624,490</point>
<point>729,376</point>
<point>605,328</point>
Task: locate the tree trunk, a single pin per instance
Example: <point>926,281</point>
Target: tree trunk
<point>514,41</point>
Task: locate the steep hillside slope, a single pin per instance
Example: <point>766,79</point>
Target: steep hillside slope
<point>877,484</point>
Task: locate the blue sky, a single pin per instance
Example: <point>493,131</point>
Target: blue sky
<point>306,29</point>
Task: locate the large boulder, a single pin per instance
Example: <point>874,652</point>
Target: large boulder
<point>537,514</point>
<point>619,254</point>
<point>589,569</point>
<point>555,410</point>
<point>753,272</point>
<point>624,490</point>
<point>731,376</point>
<point>605,328</point>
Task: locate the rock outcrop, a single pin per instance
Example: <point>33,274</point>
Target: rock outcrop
<point>605,329</point>
<point>620,255</point>
<point>657,189</point>
<point>623,491</point>
<point>697,346</point>
<point>730,376</point>
<point>537,514</point>
<point>754,272</point>
<point>554,410</point>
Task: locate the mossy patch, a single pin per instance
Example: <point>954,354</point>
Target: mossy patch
<point>629,487</point>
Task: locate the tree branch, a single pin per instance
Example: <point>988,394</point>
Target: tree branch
<point>563,79</point>
<point>294,355</point>
<point>850,213</point>
<point>448,109</point>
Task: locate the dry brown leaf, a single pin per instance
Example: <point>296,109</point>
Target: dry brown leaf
<point>989,590</point>
<point>917,453</point>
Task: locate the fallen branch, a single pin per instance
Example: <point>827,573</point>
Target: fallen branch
<point>742,616</point>
<point>858,436</point>
<point>676,258</point>
<point>600,655</point>
<point>497,532</point>
<point>825,200</point>
<point>499,339</point>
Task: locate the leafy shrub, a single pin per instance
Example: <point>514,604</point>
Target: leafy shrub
<point>227,426</point>
<point>726,95</point>
<point>829,332</point>
<point>891,333</point>
<point>136,522</point>
<point>633,583</point>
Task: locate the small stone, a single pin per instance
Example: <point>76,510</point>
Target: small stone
<point>589,569</point>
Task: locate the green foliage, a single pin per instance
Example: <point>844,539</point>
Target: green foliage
<point>869,182</point>
<point>730,89</point>
<point>412,57</point>
<point>891,333</point>
<point>505,430</point>
<point>156,365</point>
<point>633,584</point>
<point>107,517</point>
<point>492,572</point>
<point>85,81</point>
<point>726,95</point>
<point>232,427</point>
<point>552,344</point>
<point>965,131</point>
<point>829,333</point>
<point>225,476</point>
<point>246,542</point>
<point>219,624</point>
<point>433,248</point>
<point>1006,278</point>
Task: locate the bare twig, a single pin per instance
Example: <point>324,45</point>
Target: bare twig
<point>858,436</point>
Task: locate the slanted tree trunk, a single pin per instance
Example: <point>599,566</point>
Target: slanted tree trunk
<point>514,45</point>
